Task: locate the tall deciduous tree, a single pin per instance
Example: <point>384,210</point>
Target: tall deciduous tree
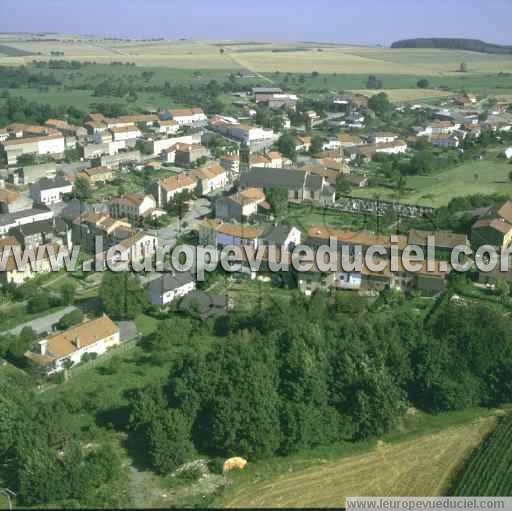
<point>170,444</point>
<point>121,295</point>
<point>287,145</point>
<point>278,199</point>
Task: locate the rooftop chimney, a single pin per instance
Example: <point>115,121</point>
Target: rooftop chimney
<point>43,347</point>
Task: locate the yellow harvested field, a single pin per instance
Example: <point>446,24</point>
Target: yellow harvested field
<point>352,60</point>
<point>420,467</point>
<point>327,61</point>
<point>188,55</point>
<point>397,95</point>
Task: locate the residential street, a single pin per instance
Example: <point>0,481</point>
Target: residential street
<point>169,234</point>
<point>44,324</point>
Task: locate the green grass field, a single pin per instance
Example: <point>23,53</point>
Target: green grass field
<point>480,83</point>
<point>472,177</point>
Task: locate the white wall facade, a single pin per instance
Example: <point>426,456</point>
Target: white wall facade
<point>169,296</point>
<point>52,146</point>
<point>99,347</point>
<point>53,195</point>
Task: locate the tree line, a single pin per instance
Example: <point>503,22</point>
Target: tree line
<point>18,109</point>
<point>453,44</point>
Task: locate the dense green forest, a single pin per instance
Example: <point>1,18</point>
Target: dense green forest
<point>452,44</point>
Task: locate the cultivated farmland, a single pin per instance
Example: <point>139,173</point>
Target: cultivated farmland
<point>339,67</point>
<point>488,473</point>
<point>265,57</point>
<point>351,60</point>
<point>419,467</point>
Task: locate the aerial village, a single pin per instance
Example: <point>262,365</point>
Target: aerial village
<point>180,176</point>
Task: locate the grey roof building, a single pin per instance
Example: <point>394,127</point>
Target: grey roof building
<point>43,232</point>
<point>300,184</point>
<point>169,287</point>
<point>11,220</point>
<point>281,235</point>
<point>204,304</point>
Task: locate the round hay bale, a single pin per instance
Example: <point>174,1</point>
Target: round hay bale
<point>234,464</point>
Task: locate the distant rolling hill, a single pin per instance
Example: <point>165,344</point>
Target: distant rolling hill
<point>453,44</point>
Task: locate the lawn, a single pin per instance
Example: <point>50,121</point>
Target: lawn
<point>480,83</point>
<point>472,177</point>
<point>106,384</point>
<point>146,324</point>
<point>420,460</point>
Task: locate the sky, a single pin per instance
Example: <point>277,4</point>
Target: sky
<point>342,21</point>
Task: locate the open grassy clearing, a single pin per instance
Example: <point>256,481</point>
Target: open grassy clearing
<point>421,465</point>
<point>484,176</point>
<point>480,83</point>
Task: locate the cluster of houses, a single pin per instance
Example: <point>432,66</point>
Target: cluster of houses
<point>38,213</point>
<point>454,123</point>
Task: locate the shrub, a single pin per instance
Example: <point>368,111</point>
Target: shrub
<point>38,303</point>
<point>216,465</point>
<point>70,319</point>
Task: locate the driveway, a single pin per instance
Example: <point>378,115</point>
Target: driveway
<point>44,324</point>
